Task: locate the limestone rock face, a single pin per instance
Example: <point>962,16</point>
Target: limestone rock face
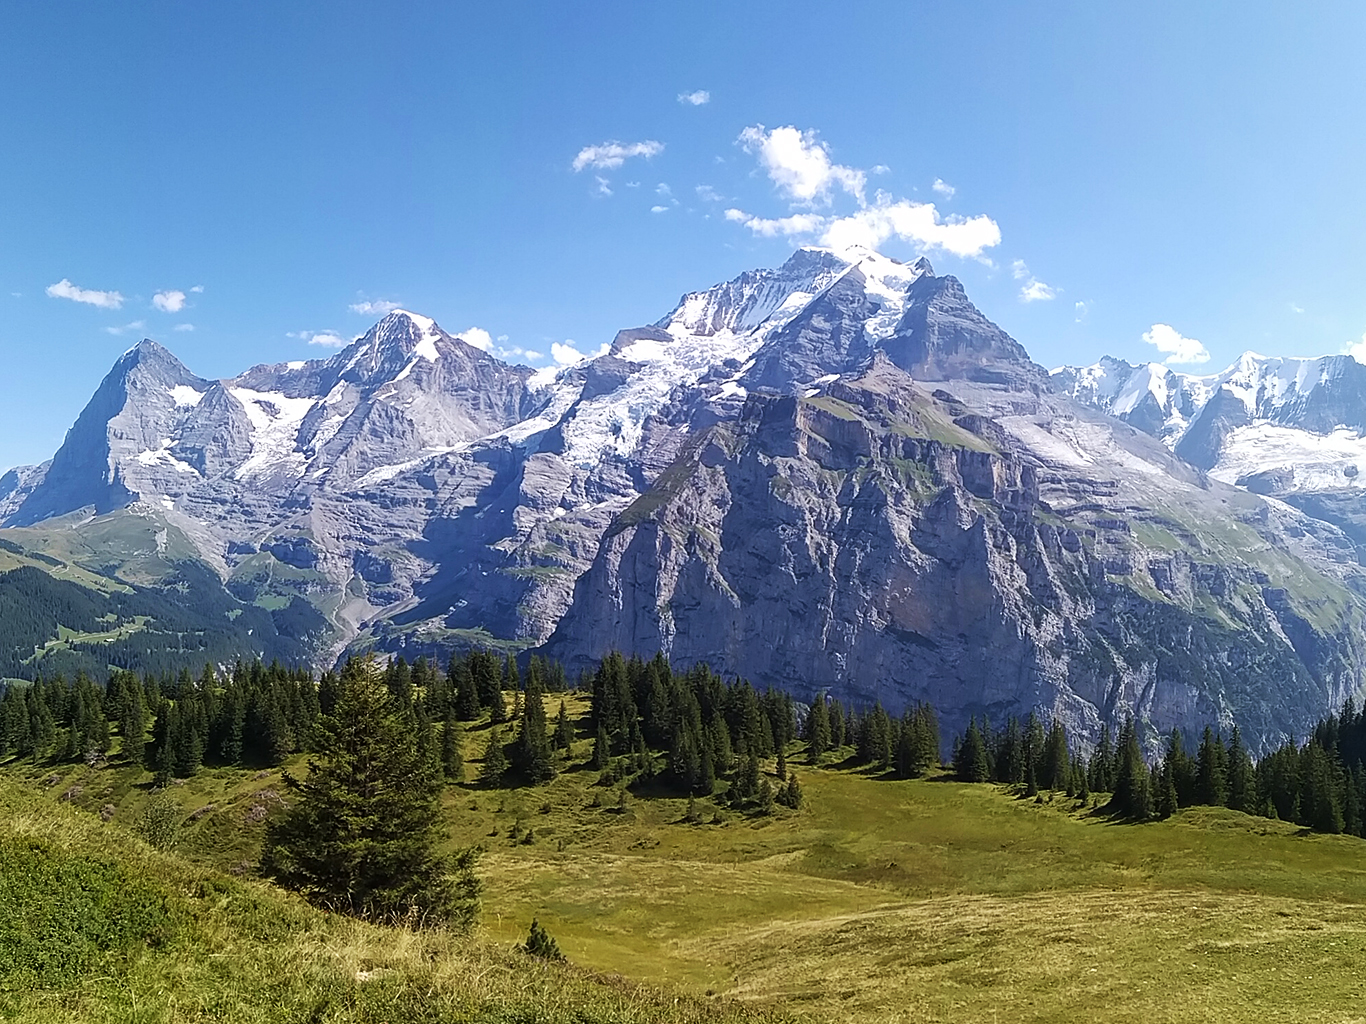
<point>836,474</point>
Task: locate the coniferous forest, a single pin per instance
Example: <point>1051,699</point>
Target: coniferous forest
<point>675,731</point>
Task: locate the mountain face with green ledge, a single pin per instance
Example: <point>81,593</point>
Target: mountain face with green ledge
<point>835,474</point>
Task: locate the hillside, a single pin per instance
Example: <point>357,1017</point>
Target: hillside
<point>877,899</point>
<point>95,926</point>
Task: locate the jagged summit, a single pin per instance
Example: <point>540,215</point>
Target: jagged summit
<point>834,470</point>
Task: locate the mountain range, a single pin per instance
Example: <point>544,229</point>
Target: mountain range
<point>835,475</point>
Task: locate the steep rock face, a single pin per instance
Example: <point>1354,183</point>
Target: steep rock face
<point>836,473</point>
<point>122,440</point>
<point>868,542</point>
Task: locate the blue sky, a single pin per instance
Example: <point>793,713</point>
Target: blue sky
<point>1103,170</point>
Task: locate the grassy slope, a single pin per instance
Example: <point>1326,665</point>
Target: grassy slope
<point>884,900</point>
<point>95,926</point>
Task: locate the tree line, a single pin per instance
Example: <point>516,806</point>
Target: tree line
<point>683,731</point>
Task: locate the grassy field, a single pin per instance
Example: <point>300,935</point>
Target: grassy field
<point>879,900</point>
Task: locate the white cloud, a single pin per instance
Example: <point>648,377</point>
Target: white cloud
<point>136,325</point>
<point>1081,309</point>
<point>1295,308</point>
<point>567,355</point>
<point>799,164</point>
<point>880,169</point>
<point>603,187</point>
<point>917,223</point>
<point>610,155</point>
<point>64,289</point>
<point>183,327</point>
<point>1178,349</point>
<point>198,289</point>
<point>478,337</point>
<point>943,188</point>
<point>662,189</point>
<point>327,339</point>
<point>1033,290</point>
<point>708,194</point>
<point>696,99</point>
<point>377,307</point>
<point>169,301</point>
<point>1356,351</point>
<point>659,209</point>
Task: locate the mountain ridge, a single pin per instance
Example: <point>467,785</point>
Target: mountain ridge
<point>779,450</point>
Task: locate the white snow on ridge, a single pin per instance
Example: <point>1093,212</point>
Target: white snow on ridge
<point>1319,462</point>
<point>275,421</point>
<point>426,345</point>
<point>162,457</point>
<point>185,396</point>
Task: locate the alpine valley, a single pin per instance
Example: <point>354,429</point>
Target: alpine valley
<point>834,475</point>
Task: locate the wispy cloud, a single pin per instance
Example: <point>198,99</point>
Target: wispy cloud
<point>1178,349</point>
<point>183,327</point>
<point>604,187</point>
<point>1356,350</point>
<point>198,289</point>
<point>1296,309</point>
<point>695,99</point>
<point>610,155</point>
<point>708,194</point>
<point>64,289</point>
<point>327,339</point>
<point>170,301</point>
<point>136,325</point>
<point>659,209</point>
<point>373,307</point>
<point>1033,290</point>
<point>800,165</point>
<point>943,188</point>
<point>1081,309</point>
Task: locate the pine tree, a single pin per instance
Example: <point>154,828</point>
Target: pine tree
<point>540,944</point>
<point>817,729</point>
<point>1241,781</point>
<point>970,763</point>
<point>452,745</point>
<point>564,731</point>
<point>1211,771</point>
<point>782,765</point>
<point>602,749</point>
<point>1133,794</point>
<point>362,834</point>
<point>532,753</point>
<point>495,766</point>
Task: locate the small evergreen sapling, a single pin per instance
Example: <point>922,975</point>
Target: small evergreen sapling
<point>540,944</point>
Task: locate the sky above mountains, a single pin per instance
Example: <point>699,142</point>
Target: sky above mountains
<point>252,183</point>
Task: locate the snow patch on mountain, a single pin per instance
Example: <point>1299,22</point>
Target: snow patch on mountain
<point>1307,462</point>
<point>185,396</point>
<point>275,421</point>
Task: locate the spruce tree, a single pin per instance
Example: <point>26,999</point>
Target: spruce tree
<point>970,764</point>
<point>564,731</point>
<point>362,834</point>
<point>817,729</point>
<point>533,758</point>
<point>495,766</point>
<point>1211,771</point>
<point>540,944</point>
<point>452,744</point>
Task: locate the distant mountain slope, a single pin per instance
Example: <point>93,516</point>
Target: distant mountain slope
<point>834,473</point>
